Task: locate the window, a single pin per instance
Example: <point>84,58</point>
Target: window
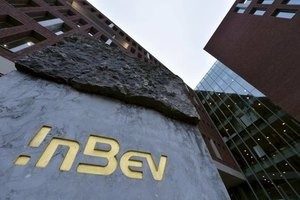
<point>67,12</point>
<point>242,6</point>
<point>259,12</point>
<point>292,2</point>
<point>50,22</point>
<point>19,42</point>
<point>127,38</point>
<point>100,16</point>
<point>285,14</point>
<point>56,25</point>
<point>240,10</point>
<point>108,42</point>
<point>22,3</point>
<point>122,33</point>
<point>124,44</point>
<point>92,31</point>
<point>111,25</point>
<point>103,38</point>
<point>93,10</point>
<point>41,16</point>
<point>7,21</point>
<point>80,22</point>
<point>115,28</point>
<point>134,43</point>
<point>132,50</point>
<point>266,2</point>
<point>85,3</point>
<point>245,1</point>
<point>53,3</point>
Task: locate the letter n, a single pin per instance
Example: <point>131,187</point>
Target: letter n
<point>73,148</point>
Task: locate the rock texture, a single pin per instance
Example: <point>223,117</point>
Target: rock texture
<point>90,66</point>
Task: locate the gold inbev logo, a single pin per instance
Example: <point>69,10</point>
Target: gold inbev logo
<point>130,162</point>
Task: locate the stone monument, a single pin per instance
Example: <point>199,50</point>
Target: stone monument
<point>82,120</point>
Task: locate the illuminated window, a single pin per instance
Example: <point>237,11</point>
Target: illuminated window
<point>23,41</point>
<point>92,31</point>
<point>125,45</point>
<point>80,22</point>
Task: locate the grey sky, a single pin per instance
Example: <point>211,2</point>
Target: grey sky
<point>174,31</point>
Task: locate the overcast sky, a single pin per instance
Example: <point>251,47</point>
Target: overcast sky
<point>173,31</point>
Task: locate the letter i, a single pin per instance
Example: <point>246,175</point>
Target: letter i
<point>35,142</point>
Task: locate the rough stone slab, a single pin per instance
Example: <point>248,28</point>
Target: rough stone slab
<point>91,66</point>
<point>27,103</point>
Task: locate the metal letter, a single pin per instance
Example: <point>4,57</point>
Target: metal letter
<point>40,136</point>
<point>90,150</point>
<point>126,162</point>
<point>51,148</point>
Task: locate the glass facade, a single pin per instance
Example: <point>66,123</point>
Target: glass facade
<point>262,137</point>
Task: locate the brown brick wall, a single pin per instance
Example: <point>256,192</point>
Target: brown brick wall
<point>264,50</point>
<point>64,10</point>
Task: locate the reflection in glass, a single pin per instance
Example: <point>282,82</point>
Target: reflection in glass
<point>262,137</point>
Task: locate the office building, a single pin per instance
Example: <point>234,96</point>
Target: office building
<point>263,138</point>
<point>30,25</point>
<point>259,40</point>
<point>27,26</point>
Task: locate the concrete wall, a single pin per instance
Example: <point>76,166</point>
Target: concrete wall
<point>6,66</point>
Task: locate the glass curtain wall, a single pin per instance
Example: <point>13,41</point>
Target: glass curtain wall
<point>262,137</point>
